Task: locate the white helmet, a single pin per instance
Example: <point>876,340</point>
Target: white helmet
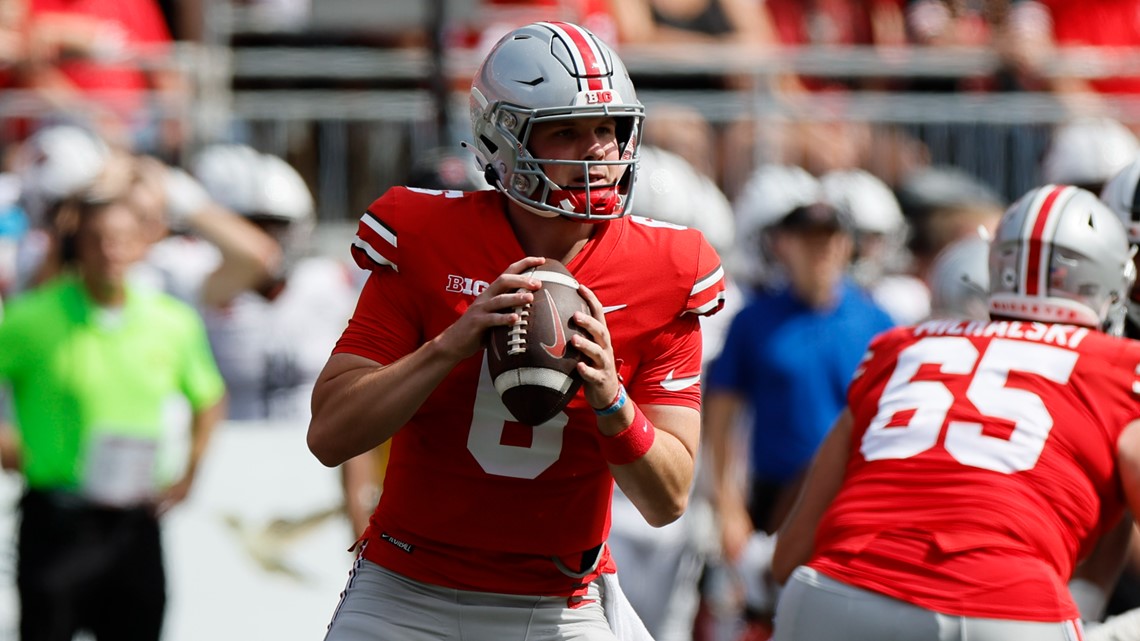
<point>56,162</point>
<point>253,184</point>
<point>549,71</point>
<point>880,229</point>
<point>263,188</point>
<point>1060,255</point>
<point>670,189</point>
<point>959,280</point>
<point>770,193</point>
<point>1123,198</point>
<point>870,202</point>
<point>1087,151</point>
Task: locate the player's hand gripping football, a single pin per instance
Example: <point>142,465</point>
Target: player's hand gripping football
<point>598,369</point>
<point>490,308</point>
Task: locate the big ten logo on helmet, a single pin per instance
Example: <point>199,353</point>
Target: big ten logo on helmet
<point>464,285</point>
<point>597,97</point>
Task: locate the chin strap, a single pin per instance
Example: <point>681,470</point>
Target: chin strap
<point>603,201</point>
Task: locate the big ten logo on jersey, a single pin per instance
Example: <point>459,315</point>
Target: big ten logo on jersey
<point>464,285</point>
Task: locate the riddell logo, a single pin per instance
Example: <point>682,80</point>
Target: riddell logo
<point>403,545</point>
<point>463,285</point>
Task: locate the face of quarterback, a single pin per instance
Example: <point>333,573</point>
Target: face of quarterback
<point>578,139</point>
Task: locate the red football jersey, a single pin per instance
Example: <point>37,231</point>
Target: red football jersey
<point>473,500</point>
<point>983,465</point>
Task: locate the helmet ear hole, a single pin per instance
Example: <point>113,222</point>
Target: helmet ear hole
<point>490,175</point>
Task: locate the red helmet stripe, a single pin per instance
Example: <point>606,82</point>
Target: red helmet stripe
<point>587,57</point>
<point>1035,263</point>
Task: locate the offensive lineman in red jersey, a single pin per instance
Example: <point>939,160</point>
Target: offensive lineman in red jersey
<point>488,529</point>
<point>977,462</point>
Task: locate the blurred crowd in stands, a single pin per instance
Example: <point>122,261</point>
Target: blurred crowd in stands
<point>231,222</point>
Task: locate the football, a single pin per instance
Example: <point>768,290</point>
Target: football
<point>532,363</point>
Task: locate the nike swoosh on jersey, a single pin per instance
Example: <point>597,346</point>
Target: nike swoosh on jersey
<point>678,384</point>
<point>613,308</point>
<point>558,349</point>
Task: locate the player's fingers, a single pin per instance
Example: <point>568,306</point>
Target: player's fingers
<point>590,349</point>
<point>509,283</point>
<point>595,327</point>
<point>592,301</point>
<point>502,318</point>
<point>520,266</point>
<point>590,375</point>
<point>508,300</point>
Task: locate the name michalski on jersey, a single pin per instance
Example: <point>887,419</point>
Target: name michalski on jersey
<point>1063,335</point>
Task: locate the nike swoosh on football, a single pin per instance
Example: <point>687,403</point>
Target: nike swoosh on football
<point>678,384</point>
<point>613,308</point>
<point>558,349</point>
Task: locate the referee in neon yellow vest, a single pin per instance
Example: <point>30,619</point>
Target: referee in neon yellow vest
<point>92,363</point>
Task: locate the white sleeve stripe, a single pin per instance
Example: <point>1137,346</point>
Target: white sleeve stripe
<point>709,306</point>
<point>373,254</point>
<point>708,281</point>
<point>380,229</point>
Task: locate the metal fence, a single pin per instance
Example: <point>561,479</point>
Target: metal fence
<point>353,119</point>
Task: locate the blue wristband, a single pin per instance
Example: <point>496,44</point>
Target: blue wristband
<point>619,402</point>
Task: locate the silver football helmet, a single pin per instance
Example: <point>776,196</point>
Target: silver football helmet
<point>56,162</point>
<point>1121,195</point>
<point>880,229</point>
<point>771,192</point>
<point>1087,151</point>
<point>959,280</point>
<point>1060,255</point>
<point>553,71</point>
<point>263,188</point>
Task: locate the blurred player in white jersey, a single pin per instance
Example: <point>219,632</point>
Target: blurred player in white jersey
<point>272,340</point>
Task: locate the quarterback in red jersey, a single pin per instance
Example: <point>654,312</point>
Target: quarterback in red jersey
<point>978,462</point>
<point>488,527</point>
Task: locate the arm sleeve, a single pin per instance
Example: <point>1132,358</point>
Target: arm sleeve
<point>376,246</point>
<point>383,327</point>
<point>201,382</point>
<point>706,297</point>
<point>673,376</point>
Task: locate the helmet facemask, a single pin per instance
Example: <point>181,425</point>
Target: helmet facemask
<point>528,184</point>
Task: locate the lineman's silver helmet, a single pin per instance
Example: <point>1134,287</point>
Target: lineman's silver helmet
<point>552,71</point>
<point>1121,195</point>
<point>959,280</point>
<point>1060,255</point>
